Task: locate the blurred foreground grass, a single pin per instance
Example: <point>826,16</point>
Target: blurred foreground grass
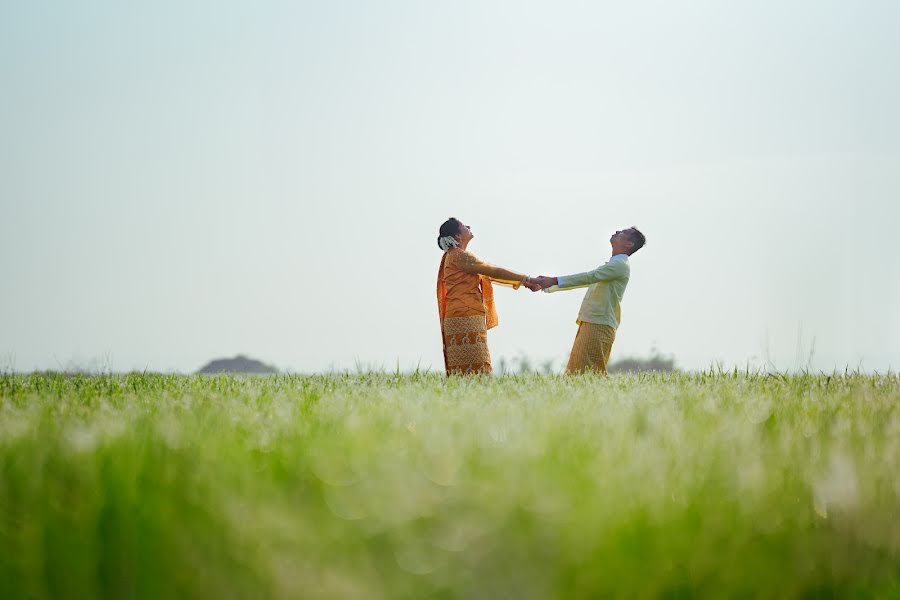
<point>381,486</point>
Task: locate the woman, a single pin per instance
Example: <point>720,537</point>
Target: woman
<point>466,300</point>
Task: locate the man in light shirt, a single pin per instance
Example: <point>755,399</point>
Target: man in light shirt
<point>600,312</point>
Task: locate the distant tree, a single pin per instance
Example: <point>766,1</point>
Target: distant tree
<point>524,363</point>
<point>655,362</point>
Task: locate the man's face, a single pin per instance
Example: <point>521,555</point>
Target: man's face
<point>621,240</point>
<point>620,235</point>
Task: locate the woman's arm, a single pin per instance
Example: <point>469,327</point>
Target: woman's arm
<point>470,263</point>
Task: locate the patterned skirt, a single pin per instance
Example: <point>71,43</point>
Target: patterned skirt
<point>590,353</point>
<point>465,345</point>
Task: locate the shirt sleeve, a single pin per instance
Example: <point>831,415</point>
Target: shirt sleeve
<point>470,263</point>
<point>612,270</point>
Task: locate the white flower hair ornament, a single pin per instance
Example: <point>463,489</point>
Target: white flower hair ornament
<point>447,242</point>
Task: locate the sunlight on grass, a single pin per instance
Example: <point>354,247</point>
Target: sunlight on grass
<point>386,486</point>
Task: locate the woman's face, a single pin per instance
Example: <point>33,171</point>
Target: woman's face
<point>465,233</point>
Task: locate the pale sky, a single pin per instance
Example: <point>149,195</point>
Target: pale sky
<point>181,181</point>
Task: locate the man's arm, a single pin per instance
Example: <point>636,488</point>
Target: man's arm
<point>608,272</point>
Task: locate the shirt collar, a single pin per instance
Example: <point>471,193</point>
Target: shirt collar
<point>622,256</point>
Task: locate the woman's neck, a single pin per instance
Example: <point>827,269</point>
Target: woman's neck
<point>462,245</point>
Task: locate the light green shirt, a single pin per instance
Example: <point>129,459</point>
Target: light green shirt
<point>606,286</point>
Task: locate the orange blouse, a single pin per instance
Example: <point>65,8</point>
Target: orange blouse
<point>464,286</point>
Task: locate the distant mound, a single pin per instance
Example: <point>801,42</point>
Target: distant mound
<point>238,364</point>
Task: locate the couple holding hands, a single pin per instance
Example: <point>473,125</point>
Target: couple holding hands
<point>466,301</point>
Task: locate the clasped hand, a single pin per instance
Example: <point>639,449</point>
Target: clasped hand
<point>536,284</point>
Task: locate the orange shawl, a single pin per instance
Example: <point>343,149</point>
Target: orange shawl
<point>487,295</point>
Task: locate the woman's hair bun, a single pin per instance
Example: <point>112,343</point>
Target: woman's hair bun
<point>448,229</point>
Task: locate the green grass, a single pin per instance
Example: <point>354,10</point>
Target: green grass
<point>381,486</point>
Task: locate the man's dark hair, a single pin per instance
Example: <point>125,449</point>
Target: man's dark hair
<point>637,238</point>
<point>451,226</point>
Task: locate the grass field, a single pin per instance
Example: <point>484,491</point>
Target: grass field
<point>382,486</point>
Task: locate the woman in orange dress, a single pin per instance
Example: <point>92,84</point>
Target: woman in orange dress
<point>466,300</point>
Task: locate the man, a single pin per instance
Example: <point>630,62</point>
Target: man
<point>600,312</point>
